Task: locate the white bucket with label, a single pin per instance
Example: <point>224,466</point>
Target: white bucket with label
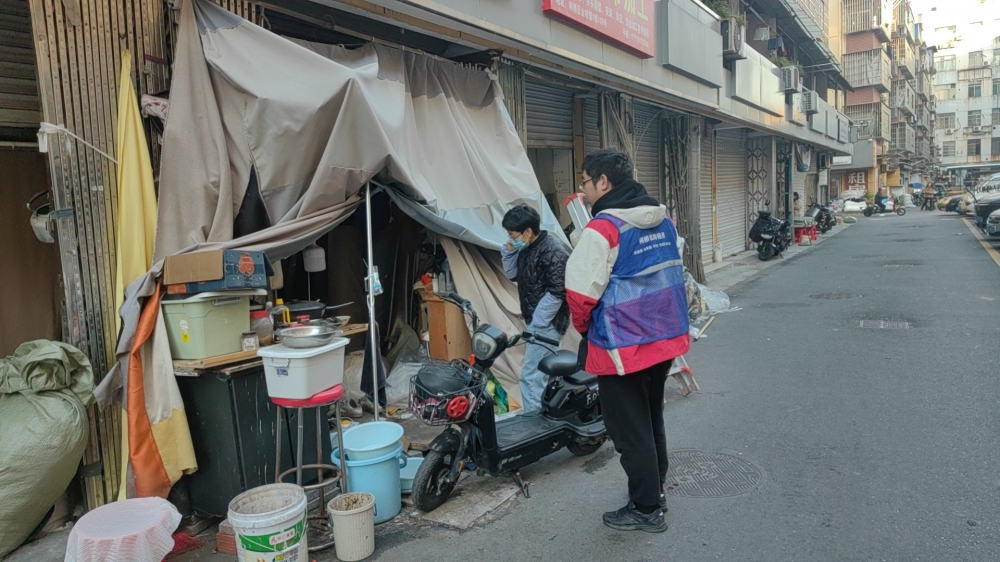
<point>270,524</point>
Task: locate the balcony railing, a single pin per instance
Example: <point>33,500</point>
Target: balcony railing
<point>871,119</point>
<point>925,86</point>
<point>974,158</point>
<point>904,138</point>
<point>903,97</point>
<point>868,15</point>
<point>869,68</point>
<point>902,55</point>
<point>903,21</point>
<point>817,11</point>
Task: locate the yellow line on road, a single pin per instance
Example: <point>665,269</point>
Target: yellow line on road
<point>982,240</point>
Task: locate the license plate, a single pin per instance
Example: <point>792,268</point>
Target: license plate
<point>991,229</point>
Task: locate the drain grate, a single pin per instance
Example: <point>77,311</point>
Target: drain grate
<point>835,296</point>
<point>887,324</point>
<point>902,263</point>
<point>704,474</point>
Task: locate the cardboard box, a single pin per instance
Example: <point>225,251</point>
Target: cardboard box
<point>215,270</point>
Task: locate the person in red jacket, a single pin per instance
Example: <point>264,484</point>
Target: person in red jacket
<point>626,295</point>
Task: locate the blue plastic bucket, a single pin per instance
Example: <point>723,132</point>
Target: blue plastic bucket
<point>380,478</point>
<point>371,440</point>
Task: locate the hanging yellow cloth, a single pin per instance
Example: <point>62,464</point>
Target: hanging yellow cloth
<point>160,449</point>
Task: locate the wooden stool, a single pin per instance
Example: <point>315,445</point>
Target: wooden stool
<point>320,401</point>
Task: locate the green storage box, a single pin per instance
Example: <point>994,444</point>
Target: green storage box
<point>207,324</point>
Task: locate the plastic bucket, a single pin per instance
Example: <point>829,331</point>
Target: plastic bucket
<point>270,523</point>
<point>380,478</point>
<point>353,521</point>
<point>371,440</point>
<point>408,472</point>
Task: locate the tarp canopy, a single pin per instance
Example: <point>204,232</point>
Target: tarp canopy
<point>315,122</point>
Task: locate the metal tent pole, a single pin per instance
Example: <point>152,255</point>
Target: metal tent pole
<point>371,299</point>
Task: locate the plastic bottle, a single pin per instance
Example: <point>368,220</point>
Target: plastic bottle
<point>260,322</point>
<point>281,313</point>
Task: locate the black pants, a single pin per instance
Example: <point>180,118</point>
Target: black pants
<point>633,414</point>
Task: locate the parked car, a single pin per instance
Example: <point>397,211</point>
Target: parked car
<point>949,203</point>
<point>966,204</point>
<point>993,223</point>
<point>985,206</point>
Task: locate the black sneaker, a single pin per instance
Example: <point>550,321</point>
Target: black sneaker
<point>663,503</point>
<point>629,518</point>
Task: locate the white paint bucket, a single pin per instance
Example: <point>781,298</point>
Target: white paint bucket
<point>270,523</point>
<point>353,518</point>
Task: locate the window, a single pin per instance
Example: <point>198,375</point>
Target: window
<point>944,92</point>
<point>945,63</point>
<point>996,117</point>
<point>995,147</point>
<point>975,148</point>
<point>975,119</point>
<point>975,89</point>
<point>976,59</point>
<point>946,121</point>
<point>996,57</point>
<point>946,29</point>
<point>948,149</point>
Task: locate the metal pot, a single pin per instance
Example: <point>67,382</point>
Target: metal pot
<point>312,308</point>
<point>308,336</point>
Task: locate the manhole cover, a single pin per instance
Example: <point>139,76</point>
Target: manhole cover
<point>887,324</point>
<point>902,263</point>
<point>704,474</point>
<point>835,296</point>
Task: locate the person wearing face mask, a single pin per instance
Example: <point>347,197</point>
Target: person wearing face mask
<point>537,263</point>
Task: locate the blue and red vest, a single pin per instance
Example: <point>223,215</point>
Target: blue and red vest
<point>645,300</point>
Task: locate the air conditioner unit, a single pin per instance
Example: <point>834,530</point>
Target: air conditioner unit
<point>949,131</point>
<point>810,102</point>
<point>790,79</point>
<point>733,39</point>
<point>977,129</point>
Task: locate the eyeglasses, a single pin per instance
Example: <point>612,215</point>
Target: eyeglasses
<point>580,187</point>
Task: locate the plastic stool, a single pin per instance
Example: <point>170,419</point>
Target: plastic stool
<point>320,401</point>
<point>136,530</point>
<point>800,232</point>
<point>812,233</point>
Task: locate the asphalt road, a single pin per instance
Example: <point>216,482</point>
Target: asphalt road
<point>875,444</point>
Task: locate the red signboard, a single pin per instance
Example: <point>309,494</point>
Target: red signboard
<point>629,23</point>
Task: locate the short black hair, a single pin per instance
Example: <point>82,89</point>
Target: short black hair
<point>610,162</point>
<point>521,218</point>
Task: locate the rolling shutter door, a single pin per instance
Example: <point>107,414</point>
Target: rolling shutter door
<point>731,196</point>
<point>648,149</point>
<point>20,106</point>
<point>705,192</point>
<point>591,128</point>
<point>798,182</point>
<point>549,112</point>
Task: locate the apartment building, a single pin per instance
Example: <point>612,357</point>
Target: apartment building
<point>966,86</point>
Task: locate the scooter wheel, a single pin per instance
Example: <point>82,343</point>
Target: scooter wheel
<point>430,486</point>
<point>583,449</point>
<point>765,252</point>
<point>867,212</point>
<point>900,211</point>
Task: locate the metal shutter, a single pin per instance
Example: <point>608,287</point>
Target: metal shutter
<point>798,182</point>
<point>20,106</point>
<point>549,111</point>
<point>591,128</point>
<point>705,191</point>
<point>648,149</point>
<point>730,190</point>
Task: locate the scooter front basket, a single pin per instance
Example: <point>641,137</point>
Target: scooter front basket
<point>434,403</point>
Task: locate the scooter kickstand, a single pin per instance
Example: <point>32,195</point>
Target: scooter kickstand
<point>522,484</point>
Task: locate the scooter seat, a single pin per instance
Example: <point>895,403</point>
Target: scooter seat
<point>581,377</point>
<point>562,363</point>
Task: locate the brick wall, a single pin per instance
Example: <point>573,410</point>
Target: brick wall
<point>867,94</point>
<point>857,42</point>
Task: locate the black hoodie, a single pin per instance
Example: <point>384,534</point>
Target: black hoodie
<point>626,195</point>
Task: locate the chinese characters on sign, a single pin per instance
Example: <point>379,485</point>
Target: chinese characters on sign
<point>629,23</point>
<point>857,180</point>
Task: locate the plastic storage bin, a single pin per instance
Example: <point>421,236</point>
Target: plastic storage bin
<point>207,324</point>
<point>300,373</point>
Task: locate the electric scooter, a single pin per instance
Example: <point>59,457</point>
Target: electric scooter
<point>455,394</point>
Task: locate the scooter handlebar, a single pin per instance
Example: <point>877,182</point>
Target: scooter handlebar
<point>529,336</point>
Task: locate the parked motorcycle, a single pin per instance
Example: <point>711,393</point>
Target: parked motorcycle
<point>771,235</point>
<point>824,217</point>
<point>891,206</point>
<point>455,394</point>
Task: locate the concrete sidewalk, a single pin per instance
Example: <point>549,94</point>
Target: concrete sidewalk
<point>741,267</point>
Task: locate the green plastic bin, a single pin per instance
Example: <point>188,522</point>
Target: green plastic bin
<point>207,324</point>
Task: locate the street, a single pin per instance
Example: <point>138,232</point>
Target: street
<point>873,443</point>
